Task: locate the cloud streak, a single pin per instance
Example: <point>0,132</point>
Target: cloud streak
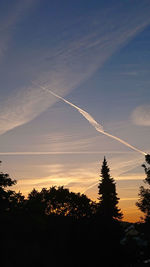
<point>82,49</point>
<point>23,153</point>
<point>121,169</point>
<point>141,115</point>
<point>93,122</point>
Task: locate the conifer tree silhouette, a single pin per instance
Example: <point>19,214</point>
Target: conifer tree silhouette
<point>108,199</point>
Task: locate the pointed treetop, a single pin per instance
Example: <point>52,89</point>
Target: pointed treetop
<point>105,161</point>
<point>108,199</point>
<point>105,169</point>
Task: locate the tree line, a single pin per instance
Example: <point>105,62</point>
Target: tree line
<point>60,201</point>
<point>65,227</point>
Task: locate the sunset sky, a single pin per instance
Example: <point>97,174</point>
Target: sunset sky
<point>95,54</point>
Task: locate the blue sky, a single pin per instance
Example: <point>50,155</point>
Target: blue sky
<point>95,54</point>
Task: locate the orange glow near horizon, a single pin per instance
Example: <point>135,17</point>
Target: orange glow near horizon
<point>127,205</point>
<point>130,212</point>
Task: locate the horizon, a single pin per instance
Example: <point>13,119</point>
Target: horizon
<point>94,55</point>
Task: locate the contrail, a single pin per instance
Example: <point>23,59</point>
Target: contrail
<point>93,122</point>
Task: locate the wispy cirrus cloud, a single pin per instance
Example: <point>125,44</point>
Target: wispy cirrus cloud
<point>74,58</point>
<point>141,115</point>
<point>82,177</point>
<point>23,153</point>
<point>9,21</point>
<point>123,167</point>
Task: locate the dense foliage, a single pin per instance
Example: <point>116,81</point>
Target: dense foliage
<point>56,227</point>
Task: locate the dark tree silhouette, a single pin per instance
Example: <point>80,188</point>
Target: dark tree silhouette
<point>60,201</point>
<point>10,201</point>
<point>144,201</point>
<point>35,204</point>
<point>108,199</point>
<point>6,196</point>
<point>41,228</point>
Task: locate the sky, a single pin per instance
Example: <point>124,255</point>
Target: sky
<point>96,55</point>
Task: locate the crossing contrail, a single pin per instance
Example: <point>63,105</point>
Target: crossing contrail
<point>93,122</point>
